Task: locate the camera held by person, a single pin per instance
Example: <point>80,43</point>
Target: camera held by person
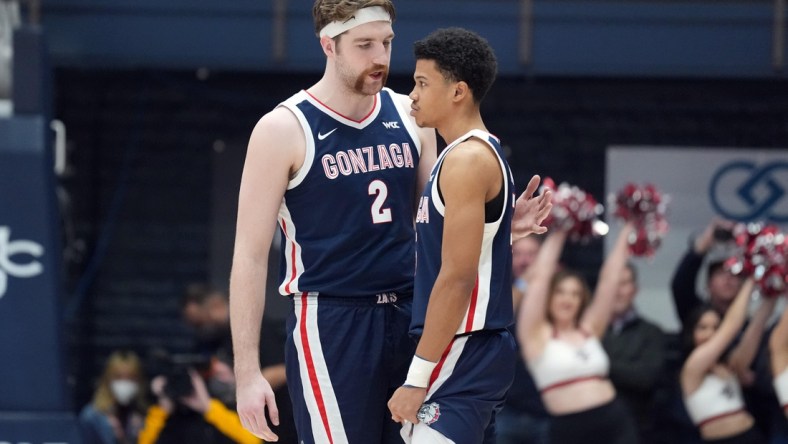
<point>185,412</point>
<point>179,375</point>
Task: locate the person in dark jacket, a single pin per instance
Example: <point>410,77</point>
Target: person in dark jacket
<point>722,286</point>
<point>637,353</point>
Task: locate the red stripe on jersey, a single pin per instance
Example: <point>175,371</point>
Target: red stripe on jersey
<point>292,257</point>
<point>569,382</point>
<point>720,416</point>
<point>472,306</point>
<point>437,370</point>
<point>311,369</point>
<point>374,104</point>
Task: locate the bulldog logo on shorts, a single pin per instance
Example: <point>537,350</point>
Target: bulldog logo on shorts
<point>429,413</point>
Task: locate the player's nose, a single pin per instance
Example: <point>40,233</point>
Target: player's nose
<point>381,58</point>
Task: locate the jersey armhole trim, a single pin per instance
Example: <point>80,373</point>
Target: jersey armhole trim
<point>309,147</point>
<point>485,137</point>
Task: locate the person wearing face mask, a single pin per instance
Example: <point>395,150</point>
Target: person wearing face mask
<point>115,415</point>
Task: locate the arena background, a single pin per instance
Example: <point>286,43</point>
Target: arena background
<point>157,99</point>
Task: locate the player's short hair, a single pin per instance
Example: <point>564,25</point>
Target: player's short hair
<point>461,56</point>
<point>327,11</point>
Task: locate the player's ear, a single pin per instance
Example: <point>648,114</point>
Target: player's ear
<point>461,91</point>
<point>329,46</point>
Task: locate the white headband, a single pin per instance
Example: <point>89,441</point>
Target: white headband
<point>365,15</point>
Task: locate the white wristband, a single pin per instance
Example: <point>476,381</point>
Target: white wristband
<point>420,372</point>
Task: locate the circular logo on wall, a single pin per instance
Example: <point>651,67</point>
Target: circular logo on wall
<point>744,190</point>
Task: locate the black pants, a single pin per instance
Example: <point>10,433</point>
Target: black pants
<point>751,436</point>
<point>611,423</point>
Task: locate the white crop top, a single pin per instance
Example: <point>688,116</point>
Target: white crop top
<point>563,363</point>
<point>781,387</point>
<point>716,397</point>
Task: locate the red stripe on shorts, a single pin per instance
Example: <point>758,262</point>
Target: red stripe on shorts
<point>310,365</point>
<point>472,306</point>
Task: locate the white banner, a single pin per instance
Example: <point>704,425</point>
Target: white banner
<point>736,184</point>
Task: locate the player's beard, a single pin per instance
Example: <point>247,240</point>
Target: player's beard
<point>361,85</point>
<point>358,83</point>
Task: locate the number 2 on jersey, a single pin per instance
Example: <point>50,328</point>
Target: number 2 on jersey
<point>380,215</point>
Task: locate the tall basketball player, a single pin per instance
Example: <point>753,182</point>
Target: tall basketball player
<point>337,167</point>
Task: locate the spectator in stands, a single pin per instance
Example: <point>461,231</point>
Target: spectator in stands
<point>190,415</point>
<point>206,309</point>
<point>721,284</point>
<point>559,328</point>
<point>637,353</point>
<point>115,414</point>
<point>712,392</point>
<point>523,419</point>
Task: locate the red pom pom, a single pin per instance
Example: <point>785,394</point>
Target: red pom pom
<point>762,252</point>
<point>645,207</point>
<point>574,211</point>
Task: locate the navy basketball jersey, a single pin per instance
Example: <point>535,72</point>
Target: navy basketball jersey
<point>490,304</point>
<point>347,215</point>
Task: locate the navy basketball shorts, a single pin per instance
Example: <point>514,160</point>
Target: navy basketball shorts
<point>469,388</point>
<point>344,358</point>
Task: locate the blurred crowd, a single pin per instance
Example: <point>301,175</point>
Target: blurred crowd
<point>164,397</point>
<point>589,360</point>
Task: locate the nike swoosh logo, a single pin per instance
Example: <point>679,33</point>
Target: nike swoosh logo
<point>323,136</point>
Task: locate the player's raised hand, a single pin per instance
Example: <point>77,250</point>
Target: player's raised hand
<point>530,211</point>
<point>254,395</point>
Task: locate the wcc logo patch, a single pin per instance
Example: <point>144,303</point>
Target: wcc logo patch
<point>429,413</point>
